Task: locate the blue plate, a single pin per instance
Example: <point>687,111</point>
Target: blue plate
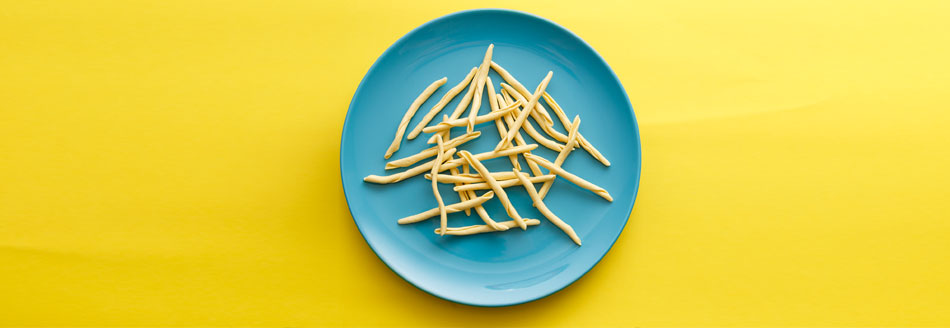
<point>502,268</point>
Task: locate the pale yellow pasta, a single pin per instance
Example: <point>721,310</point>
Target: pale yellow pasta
<point>445,125</point>
<point>422,168</point>
<point>501,102</point>
<point>411,172</point>
<point>465,171</point>
<point>541,119</point>
<point>435,183</point>
<point>480,86</point>
<point>499,123</point>
<point>463,104</point>
<point>522,90</point>
<point>401,129</point>
<point>504,93</point>
<point>455,142</point>
<point>503,98</point>
<point>519,121</point>
<point>502,196</point>
<point>571,141</point>
<point>471,178</point>
<point>452,208</point>
<point>571,177</point>
<point>539,204</point>
<point>487,219</point>
<point>504,183</point>
<point>441,104</point>
<point>466,99</point>
<point>482,228</point>
<point>528,127</point>
<point>463,196</point>
<point>492,154</point>
<point>481,211</point>
<point>490,89</point>
<point>559,112</point>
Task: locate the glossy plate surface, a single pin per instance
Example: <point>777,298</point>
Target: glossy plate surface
<point>503,268</point>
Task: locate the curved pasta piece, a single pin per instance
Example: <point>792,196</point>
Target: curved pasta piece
<point>463,196</point>
<point>445,125</point>
<point>480,86</point>
<point>459,109</point>
<point>528,127</point>
<point>441,104</point>
<point>571,177</point>
<point>494,102</point>
<point>484,215</point>
<point>571,141</point>
<point>504,183</point>
<point>414,171</point>
<point>502,196</point>
<point>522,90</point>
<point>492,154</point>
<point>581,140</point>
<point>401,129</point>
<point>482,228</point>
<point>422,168</point>
<point>544,209</point>
<point>519,121</point>
<point>435,183</point>
<point>471,178</point>
<point>454,142</point>
<point>453,208</point>
<point>466,99</point>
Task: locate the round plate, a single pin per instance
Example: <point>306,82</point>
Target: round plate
<point>500,268</point>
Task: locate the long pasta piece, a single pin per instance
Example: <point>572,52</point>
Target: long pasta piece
<point>482,228</point>
<point>504,183</point>
<point>522,90</point>
<point>538,203</point>
<point>401,129</point>
<point>469,178</point>
<point>528,127</point>
<point>411,172</point>
<point>541,119</point>
<point>425,167</point>
<point>519,140</point>
<point>512,130</point>
<point>454,142</point>
<point>441,104</point>
<point>467,194</point>
<point>453,208</point>
<point>571,177</point>
<point>480,86</point>
<point>459,109</point>
<point>499,123</point>
<point>493,154</point>
<point>571,141</point>
<point>559,112</point>
<point>445,125</point>
<point>463,196</point>
<point>435,183</point>
<point>481,210</point>
<point>502,196</point>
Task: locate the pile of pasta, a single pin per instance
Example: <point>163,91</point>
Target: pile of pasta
<point>510,108</point>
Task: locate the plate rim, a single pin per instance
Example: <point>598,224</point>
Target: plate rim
<point>626,99</point>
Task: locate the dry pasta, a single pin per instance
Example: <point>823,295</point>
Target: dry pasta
<point>410,112</point>
<point>454,91</point>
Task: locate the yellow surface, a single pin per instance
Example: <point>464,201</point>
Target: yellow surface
<point>175,163</point>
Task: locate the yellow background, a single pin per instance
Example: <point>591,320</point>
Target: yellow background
<point>176,163</point>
